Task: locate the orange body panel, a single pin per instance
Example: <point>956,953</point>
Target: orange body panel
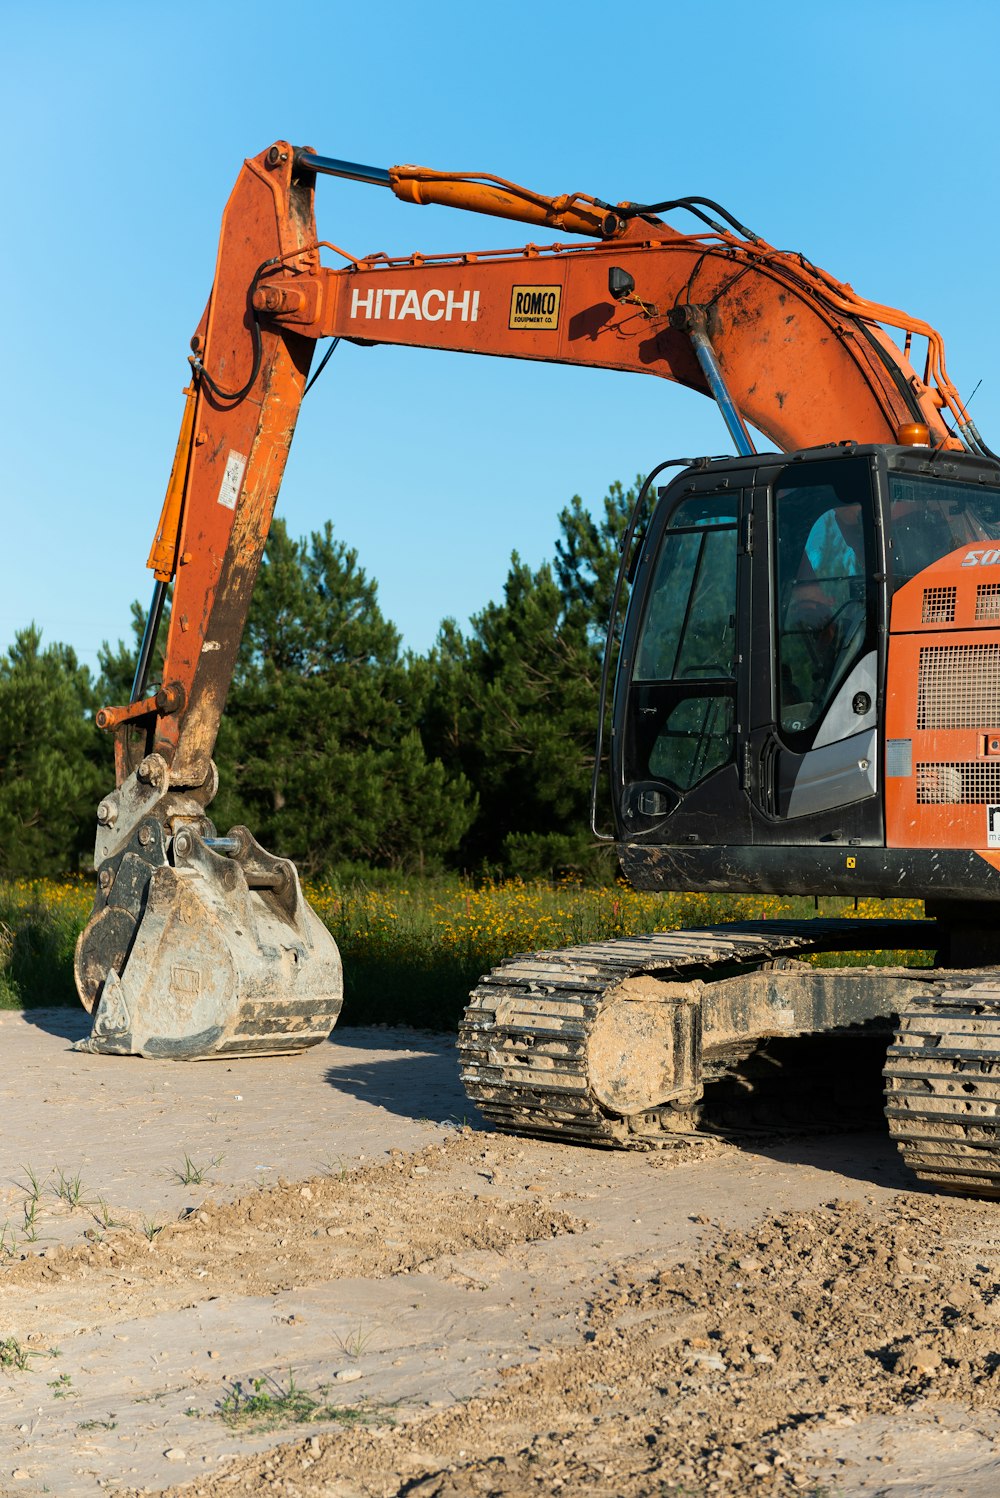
<point>943,705</point>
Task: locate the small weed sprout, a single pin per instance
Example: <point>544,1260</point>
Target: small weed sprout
<point>151,1229</point>
<point>194,1175</point>
<point>102,1215</point>
<point>34,1186</point>
<point>265,1399</point>
<point>69,1189</point>
<point>109,1424</point>
<point>30,1228</point>
<point>62,1387</point>
<point>355,1343</point>
<point>337,1171</point>
<point>13,1355</point>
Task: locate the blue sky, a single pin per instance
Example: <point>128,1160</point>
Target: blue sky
<point>862,134</point>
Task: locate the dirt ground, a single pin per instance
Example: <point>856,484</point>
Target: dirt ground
<point>320,1275</point>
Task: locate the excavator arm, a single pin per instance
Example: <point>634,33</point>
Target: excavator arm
<point>802,358</point>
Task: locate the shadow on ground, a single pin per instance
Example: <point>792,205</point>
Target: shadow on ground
<point>813,1101</point>
<point>816,1100</point>
<point>419,1081</point>
<point>72,1022</point>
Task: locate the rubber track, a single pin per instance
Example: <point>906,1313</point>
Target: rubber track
<point>943,1087</point>
<point>527,1072</point>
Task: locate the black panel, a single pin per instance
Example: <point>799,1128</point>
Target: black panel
<point>714,813</point>
<point>903,873</point>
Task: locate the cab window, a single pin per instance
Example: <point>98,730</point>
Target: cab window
<point>822,526</point>
<point>932,517</point>
<point>682,702</point>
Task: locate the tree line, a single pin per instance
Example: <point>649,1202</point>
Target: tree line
<point>338,748</point>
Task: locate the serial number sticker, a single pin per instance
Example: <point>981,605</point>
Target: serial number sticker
<point>993,826</point>
<point>229,489</point>
<point>534,306</point>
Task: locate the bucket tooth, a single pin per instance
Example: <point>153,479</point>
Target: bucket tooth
<point>199,955</point>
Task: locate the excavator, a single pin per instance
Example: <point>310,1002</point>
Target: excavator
<point>805,697</point>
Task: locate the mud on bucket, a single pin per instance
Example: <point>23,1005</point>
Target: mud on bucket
<point>195,951</point>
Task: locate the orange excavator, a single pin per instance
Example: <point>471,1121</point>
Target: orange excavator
<point>806,698</point>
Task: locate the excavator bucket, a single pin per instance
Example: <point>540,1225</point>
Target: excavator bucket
<point>201,946</point>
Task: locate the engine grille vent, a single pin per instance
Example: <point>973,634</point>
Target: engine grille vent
<point>959,686</point>
<point>988,601</point>
<point>973,782</point>
<point>939,606</point>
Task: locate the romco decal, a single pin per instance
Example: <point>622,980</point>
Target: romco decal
<point>535,306</point>
<point>395,303</point>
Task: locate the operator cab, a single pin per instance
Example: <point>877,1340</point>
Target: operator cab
<point>750,699</point>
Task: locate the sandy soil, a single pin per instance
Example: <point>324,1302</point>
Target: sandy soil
<point>357,1290</point>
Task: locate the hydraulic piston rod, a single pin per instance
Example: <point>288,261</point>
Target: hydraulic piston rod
<point>148,641</point>
<point>329,166</point>
<point>477,193</point>
<point>693,321</point>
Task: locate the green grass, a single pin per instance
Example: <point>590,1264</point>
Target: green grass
<point>412,953</point>
<point>40,920</point>
<point>412,950</point>
<point>266,1402</point>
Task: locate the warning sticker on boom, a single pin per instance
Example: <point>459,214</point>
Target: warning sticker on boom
<point>534,306</point>
<point>232,478</point>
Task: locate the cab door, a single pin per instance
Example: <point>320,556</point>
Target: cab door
<point>680,695</point>
<point>815,661</point>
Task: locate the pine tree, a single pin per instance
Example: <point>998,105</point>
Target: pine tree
<point>587,555</point>
<point>118,662</point>
<point>535,675</point>
<point>320,750</point>
<point>515,703</point>
<point>50,779</point>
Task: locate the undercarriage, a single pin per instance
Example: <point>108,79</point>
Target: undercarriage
<point>613,1043</point>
